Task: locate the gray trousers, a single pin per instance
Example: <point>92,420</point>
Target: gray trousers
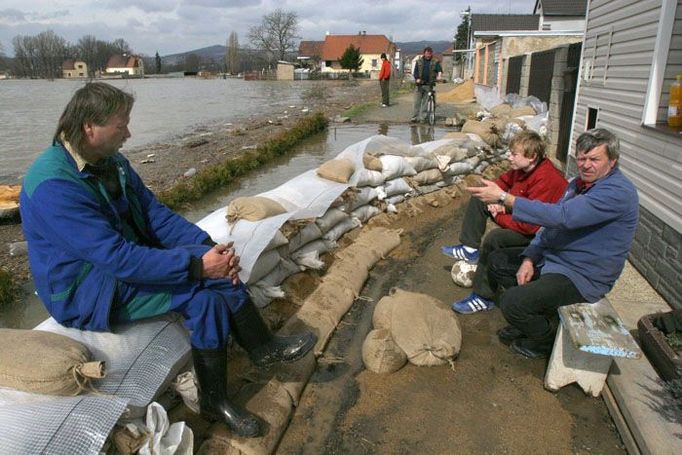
<point>420,97</point>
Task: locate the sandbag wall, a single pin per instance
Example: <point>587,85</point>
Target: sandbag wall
<point>383,174</point>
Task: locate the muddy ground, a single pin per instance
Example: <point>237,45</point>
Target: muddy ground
<point>493,401</point>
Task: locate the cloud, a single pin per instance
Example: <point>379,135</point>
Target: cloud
<point>11,16</point>
<point>147,6</point>
<point>222,3</point>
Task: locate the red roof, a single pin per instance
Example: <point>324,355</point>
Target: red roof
<point>310,48</point>
<point>123,61</point>
<point>69,65</point>
<point>335,45</point>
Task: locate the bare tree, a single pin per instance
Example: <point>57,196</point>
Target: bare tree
<point>120,46</point>
<point>192,62</point>
<point>87,51</point>
<point>41,55</point>
<point>232,54</point>
<point>276,35</point>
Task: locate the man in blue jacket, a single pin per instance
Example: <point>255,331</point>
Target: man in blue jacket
<point>576,256</point>
<point>104,250</point>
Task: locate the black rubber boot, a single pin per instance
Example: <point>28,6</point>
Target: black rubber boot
<point>210,366</point>
<point>264,348</point>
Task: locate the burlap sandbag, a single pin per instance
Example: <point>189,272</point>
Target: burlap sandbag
<point>380,354</point>
<point>486,131</point>
<point>372,163</point>
<point>9,200</point>
<point>456,135</point>
<point>427,177</point>
<point>253,208</point>
<point>46,363</point>
<point>501,110</point>
<point>521,111</point>
<point>336,170</point>
<point>425,328</point>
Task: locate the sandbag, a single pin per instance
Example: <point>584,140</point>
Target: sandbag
<point>267,261</point>
<point>365,177</point>
<point>278,240</point>
<point>486,131</point>
<point>380,354</point>
<point>425,328</point>
<point>462,273</point>
<point>252,208</point>
<point>427,177</point>
<point>397,186</point>
<point>384,145</point>
<point>310,232</point>
<point>331,218</point>
<point>47,363</point>
<point>422,163</point>
<point>395,166</point>
<point>359,197</point>
<point>344,226</point>
<point>371,163</point>
<point>365,212</point>
<point>521,111</point>
<point>501,110</point>
<point>336,170</point>
<point>9,201</point>
<point>458,169</point>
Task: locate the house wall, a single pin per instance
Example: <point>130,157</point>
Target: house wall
<point>365,68</point>
<point>618,54</point>
<point>562,23</point>
<point>517,45</point>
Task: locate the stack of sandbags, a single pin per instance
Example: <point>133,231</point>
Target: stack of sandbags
<point>413,327</point>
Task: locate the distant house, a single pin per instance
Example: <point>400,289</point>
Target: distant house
<point>371,47</point>
<point>285,71</point>
<point>131,65</point>
<point>561,15</point>
<point>74,69</point>
<point>310,52</point>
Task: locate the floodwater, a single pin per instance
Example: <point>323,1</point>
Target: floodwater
<point>164,109</point>
<point>312,152</point>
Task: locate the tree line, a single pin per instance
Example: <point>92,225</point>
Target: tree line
<point>42,55</point>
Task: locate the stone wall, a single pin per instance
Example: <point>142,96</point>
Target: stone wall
<point>656,254</point>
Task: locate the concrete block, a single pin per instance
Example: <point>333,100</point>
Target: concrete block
<point>666,272</point>
<point>672,237</point>
<point>642,234</point>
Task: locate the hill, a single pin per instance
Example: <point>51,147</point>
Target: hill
<point>416,47</point>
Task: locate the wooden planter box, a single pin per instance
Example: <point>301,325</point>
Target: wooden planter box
<point>653,340</point>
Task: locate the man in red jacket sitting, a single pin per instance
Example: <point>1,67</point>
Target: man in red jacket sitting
<point>532,176</point>
<point>384,78</point>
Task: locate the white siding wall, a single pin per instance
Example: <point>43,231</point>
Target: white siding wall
<point>617,57</point>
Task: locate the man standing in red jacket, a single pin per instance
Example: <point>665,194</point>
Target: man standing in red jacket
<point>384,77</point>
<point>532,176</point>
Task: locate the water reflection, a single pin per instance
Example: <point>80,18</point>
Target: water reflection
<point>422,133</point>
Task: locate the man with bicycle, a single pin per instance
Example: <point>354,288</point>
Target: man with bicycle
<point>426,72</point>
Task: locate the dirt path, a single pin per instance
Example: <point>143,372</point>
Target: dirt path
<point>493,401</point>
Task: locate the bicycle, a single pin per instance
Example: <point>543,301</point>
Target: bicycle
<point>431,107</point>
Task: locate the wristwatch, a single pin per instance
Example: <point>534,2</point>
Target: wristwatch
<point>503,197</point>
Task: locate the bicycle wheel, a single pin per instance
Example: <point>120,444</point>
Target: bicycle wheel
<point>431,110</point>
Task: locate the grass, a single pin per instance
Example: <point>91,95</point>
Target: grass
<point>9,290</point>
<point>226,172</point>
<point>358,110</point>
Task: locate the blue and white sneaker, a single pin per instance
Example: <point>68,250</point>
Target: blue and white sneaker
<point>473,304</point>
<point>460,253</point>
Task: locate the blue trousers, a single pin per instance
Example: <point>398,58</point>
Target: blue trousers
<point>205,306</point>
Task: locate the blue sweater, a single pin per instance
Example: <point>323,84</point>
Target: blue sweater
<point>585,236</point>
<point>79,247</point>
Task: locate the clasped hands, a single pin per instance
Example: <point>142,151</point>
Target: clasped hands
<point>221,261</point>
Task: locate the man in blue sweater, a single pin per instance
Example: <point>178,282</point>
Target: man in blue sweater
<point>576,256</point>
<point>104,250</point>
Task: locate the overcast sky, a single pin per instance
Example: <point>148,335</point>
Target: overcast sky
<point>171,26</point>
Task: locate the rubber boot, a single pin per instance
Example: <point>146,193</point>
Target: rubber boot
<point>264,348</point>
<point>210,366</point>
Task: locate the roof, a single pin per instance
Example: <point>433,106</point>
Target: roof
<point>69,65</point>
<point>562,7</point>
<point>310,48</point>
<point>335,45</point>
<point>504,22</point>
<point>123,61</point>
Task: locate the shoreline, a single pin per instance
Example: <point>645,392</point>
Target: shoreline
<point>203,148</point>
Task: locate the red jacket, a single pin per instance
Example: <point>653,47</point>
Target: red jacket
<point>385,73</point>
<point>544,183</point>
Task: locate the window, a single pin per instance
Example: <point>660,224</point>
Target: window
<point>328,63</point>
<point>592,115</point>
<point>374,63</point>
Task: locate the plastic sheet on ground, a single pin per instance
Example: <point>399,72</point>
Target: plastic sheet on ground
<point>33,423</point>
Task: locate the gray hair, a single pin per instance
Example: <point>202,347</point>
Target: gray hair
<point>596,137</point>
<point>96,102</point>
